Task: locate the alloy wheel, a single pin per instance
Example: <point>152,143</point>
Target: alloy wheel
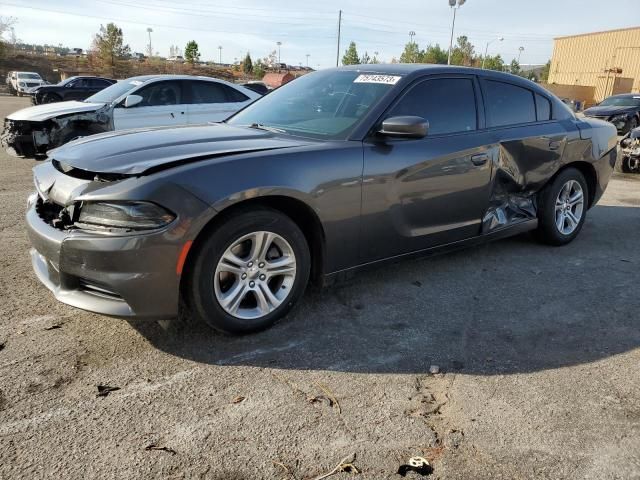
<point>569,207</point>
<point>255,275</point>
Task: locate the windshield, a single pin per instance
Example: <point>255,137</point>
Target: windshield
<point>114,92</point>
<point>621,102</point>
<point>325,105</point>
<point>29,76</point>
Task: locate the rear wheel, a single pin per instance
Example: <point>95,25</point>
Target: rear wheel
<point>562,208</point>
<point>250,272</point>
<point>630,165</point>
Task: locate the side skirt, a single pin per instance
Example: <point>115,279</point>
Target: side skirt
<point>511,230</point>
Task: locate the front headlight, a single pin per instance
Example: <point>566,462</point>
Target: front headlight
<point>619,118</point>
<point>22,84</point>
<point>123,216</point>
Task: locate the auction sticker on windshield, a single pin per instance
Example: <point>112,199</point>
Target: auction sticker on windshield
<point>386,79</point>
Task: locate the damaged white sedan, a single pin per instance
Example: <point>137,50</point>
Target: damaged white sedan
<point>145,101</point>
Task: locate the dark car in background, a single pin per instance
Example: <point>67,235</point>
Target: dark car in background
<point>73,88</point>
<point>258,87</point>
<point>339,170</point>
<point>621,110</point>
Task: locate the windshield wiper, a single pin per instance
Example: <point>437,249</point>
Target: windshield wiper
<point>261,126</point>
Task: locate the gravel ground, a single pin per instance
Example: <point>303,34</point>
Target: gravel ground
<point>538,349</point>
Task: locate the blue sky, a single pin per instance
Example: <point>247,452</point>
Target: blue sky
<point>310,27</point>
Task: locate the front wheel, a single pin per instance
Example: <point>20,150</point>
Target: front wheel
<point>51,98</point>
<point>249,272</point>
<point>562,208</point>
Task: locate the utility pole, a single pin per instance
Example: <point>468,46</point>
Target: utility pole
<point>455,5</point>
<point>339,26</point>
<point>149,30</point>
<point>520,50</point>
<point>308,55</point>
<point>220,57</point>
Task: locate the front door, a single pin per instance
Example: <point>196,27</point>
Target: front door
<point>162,105</point>
<point>419,193</point>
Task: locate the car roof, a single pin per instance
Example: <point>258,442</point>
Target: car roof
<point>145,78</point>
<point>625,95</point>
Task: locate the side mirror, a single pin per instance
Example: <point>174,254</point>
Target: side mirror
<point>406,127</point>
<point>132,101</point>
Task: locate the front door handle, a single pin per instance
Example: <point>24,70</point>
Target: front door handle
<point>554,145</point>
<point>479,159</point>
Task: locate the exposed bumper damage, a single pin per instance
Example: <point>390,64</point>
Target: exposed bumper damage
<point>25,138</point>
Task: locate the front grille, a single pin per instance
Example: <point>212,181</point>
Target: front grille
<point>53,214</point>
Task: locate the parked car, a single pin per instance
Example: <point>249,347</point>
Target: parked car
<point>20,82</point>
<point>339,170</point>
<point>258,87</point>
<point>621,110</point>
<point>72,88</point>
<point>146,101</point>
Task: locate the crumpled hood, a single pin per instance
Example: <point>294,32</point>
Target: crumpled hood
<point>40,113</point>
<point>132,152</point>
<point>606,111</point>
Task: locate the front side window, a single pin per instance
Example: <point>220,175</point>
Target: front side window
<point>326,104</point>
<point>508,104</point>
<point>448,104</point>
<point>159,94</point>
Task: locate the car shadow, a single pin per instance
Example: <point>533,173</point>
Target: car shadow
<point>511,306</point>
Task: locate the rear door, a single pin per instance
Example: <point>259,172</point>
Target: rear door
<point>531,144</point>
<point>418,193</point>
<point>162,105</point>
<point>213,101</point>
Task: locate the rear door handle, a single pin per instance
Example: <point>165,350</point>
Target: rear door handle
<point>554,145</point>
<point>479,159</point>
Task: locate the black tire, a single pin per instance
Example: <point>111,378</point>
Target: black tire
<point>201,299</point>
<point>51,98</point>
<point>625,166</point>
<point>548,231</point>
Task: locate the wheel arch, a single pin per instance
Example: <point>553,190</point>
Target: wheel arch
<point>300,212</point>
<point>590,176</point>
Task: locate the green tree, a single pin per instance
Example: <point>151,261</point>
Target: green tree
<point>514,67</point>
<point>493,63</point>
<point>411,53</point>
<point>259,69</point>
<point>375,60</point>
<point>435,54</point>
<point>109,43</point>
<point>191,53</point>
<point>544,73</point>
<point>463,53</point>
<point>365,58</point>
<point>247,64</point>
<point>351,55</point>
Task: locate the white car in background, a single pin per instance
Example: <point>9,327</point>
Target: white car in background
<point>20,82</point>
<point>145,101</point>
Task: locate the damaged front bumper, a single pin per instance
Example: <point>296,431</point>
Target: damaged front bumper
<point>20,139</point>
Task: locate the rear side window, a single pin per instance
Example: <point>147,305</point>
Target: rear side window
<point>448,104</point>
<point>160,93</point>
<point>508,104</point>
<point>543,108</point>
<point>212,92</point>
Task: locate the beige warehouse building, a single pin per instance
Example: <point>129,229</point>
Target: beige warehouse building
<point>596,64</point>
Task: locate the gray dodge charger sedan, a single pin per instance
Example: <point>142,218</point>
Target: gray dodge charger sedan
<point>337,170</point>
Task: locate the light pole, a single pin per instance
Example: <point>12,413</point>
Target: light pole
<point>220,57</point>
<point>149,30</point>
<point>486,49</point>
<point>278,43</point>
<point>411,35</point>
<point>308,55</point>
<point>520,50</point>
<point>455,5</point>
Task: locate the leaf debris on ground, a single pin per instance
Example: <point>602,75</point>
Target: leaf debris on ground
<point>345,465</point>
<point>153,446</point>
<point>239,399</point>
<point>55,326</point>
<point>104,390</point>
<point>329,394</point>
